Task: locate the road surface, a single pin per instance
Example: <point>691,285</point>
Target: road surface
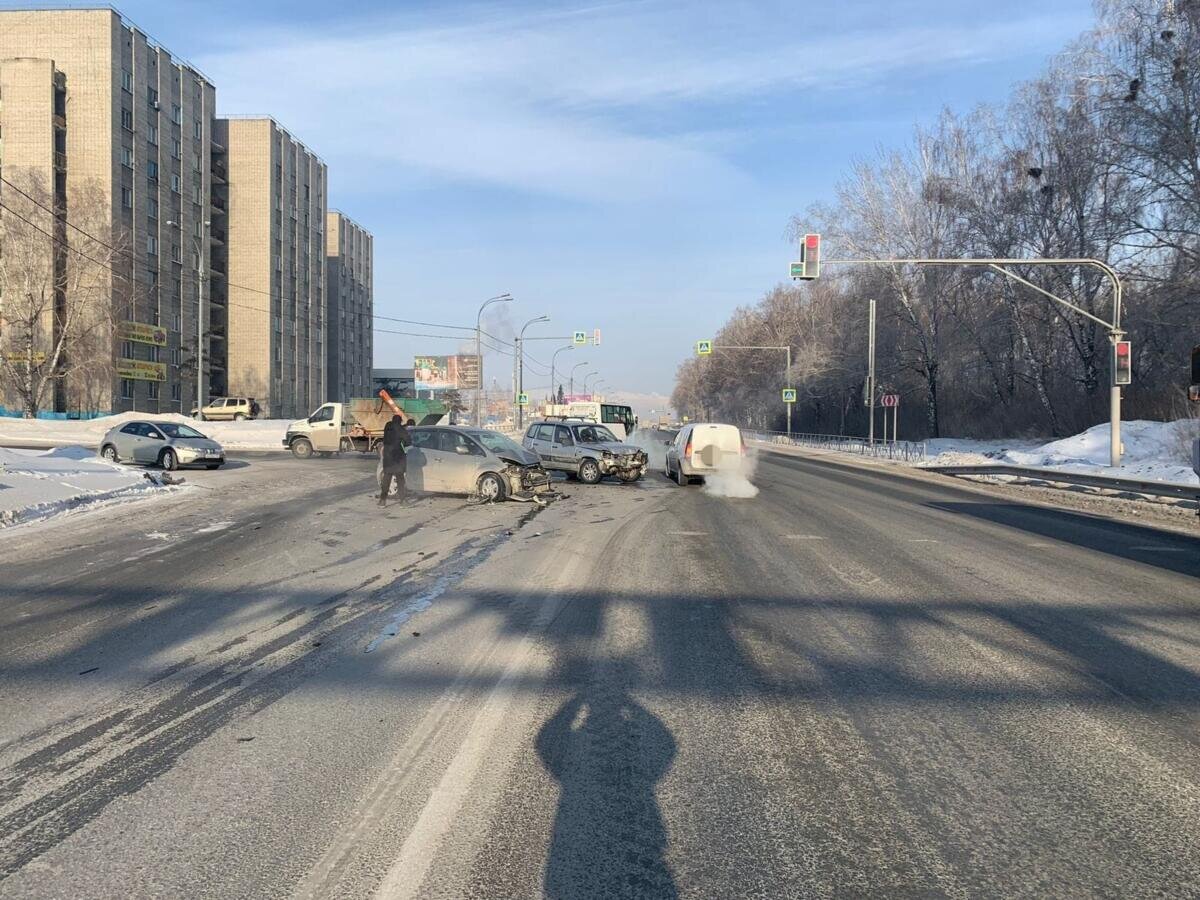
<point>855,683</point>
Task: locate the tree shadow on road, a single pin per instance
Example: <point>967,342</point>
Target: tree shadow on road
<point>607,753</point>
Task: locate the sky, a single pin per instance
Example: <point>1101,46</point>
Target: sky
<point>627,166</point>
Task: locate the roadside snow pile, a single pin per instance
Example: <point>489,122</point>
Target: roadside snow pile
<point>36,484</point>
<point>259,434</point>
<point>1154,451</point>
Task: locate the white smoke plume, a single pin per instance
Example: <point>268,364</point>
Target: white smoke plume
<point>733,480</point>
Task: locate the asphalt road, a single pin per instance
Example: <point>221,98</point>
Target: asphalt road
<point>854,684</point>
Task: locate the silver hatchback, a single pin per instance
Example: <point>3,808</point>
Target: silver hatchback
<point>166,444</point>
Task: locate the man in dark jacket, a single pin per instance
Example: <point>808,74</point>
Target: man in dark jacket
<point>395,439</point>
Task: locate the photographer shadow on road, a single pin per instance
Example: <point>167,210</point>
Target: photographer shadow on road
<point>607,753</point>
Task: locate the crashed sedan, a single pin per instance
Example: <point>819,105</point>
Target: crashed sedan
<point>474,462</point>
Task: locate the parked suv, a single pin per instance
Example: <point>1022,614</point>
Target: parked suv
<point>585,449</point>
<point>228,409</point>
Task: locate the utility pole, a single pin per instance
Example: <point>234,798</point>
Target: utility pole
<point>871,372</point>
<point>553,392</point>
<point>578,366</point>
<point>519,368</point>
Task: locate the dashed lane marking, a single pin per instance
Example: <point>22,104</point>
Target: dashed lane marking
<point>687,533</point>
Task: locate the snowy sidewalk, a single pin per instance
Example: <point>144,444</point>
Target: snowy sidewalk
<point>259,434</point>
<point>36,484</point>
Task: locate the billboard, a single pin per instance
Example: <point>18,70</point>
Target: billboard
<point>143,333</point>
<point>446,373</point>
<point>141,370</point>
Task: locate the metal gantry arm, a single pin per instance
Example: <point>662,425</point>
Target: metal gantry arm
<point>998,264</point>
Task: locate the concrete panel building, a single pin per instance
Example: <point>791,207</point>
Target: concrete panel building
<point>349,291</point>
<point>276,214</point>
<point>101,110</point>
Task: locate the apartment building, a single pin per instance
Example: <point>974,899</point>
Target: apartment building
<point>349,292</point>
<point>277,207</point>
<point>104,117</point>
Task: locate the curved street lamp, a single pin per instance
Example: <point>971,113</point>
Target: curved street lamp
<point>585,380</point>
<point>553,393</point>
<point>499,298</point>
<point>519,362</point>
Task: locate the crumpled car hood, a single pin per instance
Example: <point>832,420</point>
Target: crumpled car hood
<point>614,447</point>
<point>527,458</point>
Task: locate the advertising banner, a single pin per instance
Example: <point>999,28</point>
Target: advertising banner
<point>144,333</point>
<point>141,370</point>
<point>446,373</point>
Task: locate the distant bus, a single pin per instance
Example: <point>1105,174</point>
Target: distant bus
<point>620,419</point>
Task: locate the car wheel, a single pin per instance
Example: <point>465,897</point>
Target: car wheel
<point>302,448</point>
<point>681,479</point>
<point>239,417</point>
<point>109,452</point>
<point>345,445</point>
<point>168,460</point>
<point>589,471</point>
<point>491,487</point>
<point>200,416</point>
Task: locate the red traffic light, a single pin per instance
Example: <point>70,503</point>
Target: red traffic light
<point>1122,363</point>
<point>1122,348</point>
<point>812,241</point>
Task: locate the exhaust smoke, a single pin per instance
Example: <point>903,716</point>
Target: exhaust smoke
<point>733,478</point>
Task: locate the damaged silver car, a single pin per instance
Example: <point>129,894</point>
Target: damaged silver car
<point>474,462</point>
<point>585,449</point>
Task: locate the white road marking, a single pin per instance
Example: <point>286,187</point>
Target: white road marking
<point>1160,549</point>
<point>803,537</point>
<point>923,541</point>
<point>1040,546</point>
<point>687,533</point>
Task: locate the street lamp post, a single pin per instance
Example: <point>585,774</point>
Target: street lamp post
<point>585,380</point>
<point>578,366</point>
<point>200,278</point>
<point>553,395</point>
<point>519,364</point>
<point>501,298</point>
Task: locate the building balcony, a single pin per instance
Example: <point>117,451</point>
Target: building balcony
<point>60,161</point>
<point>217,235</point>
<point>218,172</point>
<point>217,266</point>
<point>218,204</point>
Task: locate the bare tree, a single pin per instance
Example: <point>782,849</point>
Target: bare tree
<point>57,286</point>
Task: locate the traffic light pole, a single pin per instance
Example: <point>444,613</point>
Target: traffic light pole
<point>1115,333</point>
<point>871,375</point>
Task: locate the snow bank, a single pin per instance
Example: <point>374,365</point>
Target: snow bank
<point>37,484</point>
<point>260,434</point>
<point>1154,451</point>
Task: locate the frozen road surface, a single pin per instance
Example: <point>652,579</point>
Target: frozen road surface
<point>857,683</point>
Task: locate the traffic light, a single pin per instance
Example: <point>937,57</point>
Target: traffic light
<point>809,266</point>
<point>1122,363</point>
<point>810,255</point>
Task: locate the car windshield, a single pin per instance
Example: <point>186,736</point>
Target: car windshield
<point>173,430</point>
<point>496,442</point>
<point>593,434</point>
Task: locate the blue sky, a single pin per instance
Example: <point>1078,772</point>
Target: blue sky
<point>629,166</point>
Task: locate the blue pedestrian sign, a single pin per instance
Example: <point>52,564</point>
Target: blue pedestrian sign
<point>522,399</point>
<point>703,348</point>
<point>580,338</point>
<point>789,395</point>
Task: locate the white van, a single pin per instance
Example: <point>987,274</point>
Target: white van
<point>704,448</point>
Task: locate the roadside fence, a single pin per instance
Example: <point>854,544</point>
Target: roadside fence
<point>907,451</point>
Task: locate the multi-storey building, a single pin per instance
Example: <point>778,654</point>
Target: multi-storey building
<point>349,254</point>
<point>277,208</point>
<point>102,116</point>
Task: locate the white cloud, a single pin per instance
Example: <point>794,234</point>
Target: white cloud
<point>546,104</point>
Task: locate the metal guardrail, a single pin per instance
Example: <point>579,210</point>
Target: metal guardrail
<point>908,451</point>
<point>1057,476</point>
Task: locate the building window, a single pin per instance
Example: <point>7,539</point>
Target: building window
<point>127,81</point>
<point>176,113</point>
<point>127,197</point>
<point>175,183</point>
<point>127,157</point>
<point>176,392</point>
<point>176,148</point>
<point>176,253</point>
<point>176,355</point>
<point>153,390</point>
<point>152,170</point>
<point>127,349</point>
<point>197,194</point>
<point>127,119</point>
<point>176,325</point>
<point>197,129</point>
<point>151,245</point>
<point>126,388</point>
<point>153,208</point>
<point>152,96</point>
<point>152,134</point>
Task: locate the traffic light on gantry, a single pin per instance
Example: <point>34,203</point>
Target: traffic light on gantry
<point>809,266</point>
<point>1122,363</point>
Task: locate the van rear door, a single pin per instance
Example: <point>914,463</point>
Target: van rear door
<point>715,447</point>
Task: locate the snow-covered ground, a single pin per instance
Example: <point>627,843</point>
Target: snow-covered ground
<point>1154,451</point>
<point>263,434</point>
<point>37,484</point>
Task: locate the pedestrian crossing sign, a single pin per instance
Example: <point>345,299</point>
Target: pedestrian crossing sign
<point>579,339</point>
<point>703,348</point>
<point>789,395</point>
<point>522,399</point>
